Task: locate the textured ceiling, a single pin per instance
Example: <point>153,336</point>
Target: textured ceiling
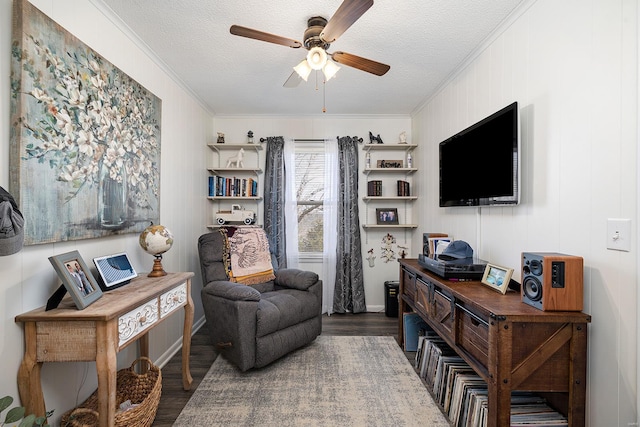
<point>423,41</point>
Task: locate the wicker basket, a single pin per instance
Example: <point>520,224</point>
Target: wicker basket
<point>142,389</point>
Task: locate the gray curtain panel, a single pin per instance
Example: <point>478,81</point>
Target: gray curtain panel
<point>274,193</point>
<point>349,289</point>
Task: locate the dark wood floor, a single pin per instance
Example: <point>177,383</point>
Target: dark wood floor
<point>174,398</point>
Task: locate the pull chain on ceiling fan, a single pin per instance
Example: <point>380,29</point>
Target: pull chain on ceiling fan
<point>317,39</point>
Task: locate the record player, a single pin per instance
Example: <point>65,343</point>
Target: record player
<point>461,269</point>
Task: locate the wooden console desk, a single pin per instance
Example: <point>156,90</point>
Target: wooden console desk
<point>511,345</point>
<point>120,317</point>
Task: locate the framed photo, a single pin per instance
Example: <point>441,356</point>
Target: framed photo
<point>497,277</point>
<point>76,278</point>
<point>114,271</point>
<point>386,216</point>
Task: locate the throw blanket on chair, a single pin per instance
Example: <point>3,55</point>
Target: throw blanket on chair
<point>247,258</point>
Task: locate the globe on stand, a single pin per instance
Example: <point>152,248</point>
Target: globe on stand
<point>156,240</point>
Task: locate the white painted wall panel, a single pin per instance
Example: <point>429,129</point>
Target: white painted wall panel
<point>27,278</point>
<point>572,67</point>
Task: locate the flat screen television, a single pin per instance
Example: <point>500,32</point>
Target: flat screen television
<point>480,166</point>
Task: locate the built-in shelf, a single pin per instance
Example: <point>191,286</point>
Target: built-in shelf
<point>367,171</point>
<point>390,226</point>
<point>242,174</point>
<point>369,147</point>
<point>225,147</point>
<point>235,170</point>
<point>388,198</point>
<point>389,174</point>
<point>239,198</point>
<point>216,226</point>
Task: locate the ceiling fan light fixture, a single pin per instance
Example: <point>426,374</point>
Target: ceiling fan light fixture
<point>303,69</point>
<point>330,69</point>
<point>317,58</point>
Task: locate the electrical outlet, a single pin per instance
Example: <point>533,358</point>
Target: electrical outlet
<point>619,234</point>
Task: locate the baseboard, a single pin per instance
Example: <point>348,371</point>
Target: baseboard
<point>375,308</point>
<point>177,346</point>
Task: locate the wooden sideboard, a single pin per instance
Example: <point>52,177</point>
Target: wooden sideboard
<point>120,317</point>
<point>511,345</point>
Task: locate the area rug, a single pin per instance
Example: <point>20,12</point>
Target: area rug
<point>334,381</point>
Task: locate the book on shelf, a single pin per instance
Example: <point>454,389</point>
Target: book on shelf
<point>403,188</point>
<point>212,186</point>
<point>374,188</point>
<point>220,186</point>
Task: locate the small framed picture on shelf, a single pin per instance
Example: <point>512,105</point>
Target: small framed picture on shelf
<point>386,216</point>
<point>497,278</point>
<point>76,278</point>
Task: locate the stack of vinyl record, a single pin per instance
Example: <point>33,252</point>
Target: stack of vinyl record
<point>463,394</point>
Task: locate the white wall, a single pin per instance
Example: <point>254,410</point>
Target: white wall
<point>235,129</point>
<point>572,67</point>
<point>27,278</point>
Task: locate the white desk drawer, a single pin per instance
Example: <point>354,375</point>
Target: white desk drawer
<point>173,299</point>
<point>137,320</point>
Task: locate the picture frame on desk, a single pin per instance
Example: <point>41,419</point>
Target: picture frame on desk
<point>114,271</point>
<point>387,216</point>
<point>497,277</point>
<point>76,278</point>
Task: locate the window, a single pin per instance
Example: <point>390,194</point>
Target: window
<point>310,179</point>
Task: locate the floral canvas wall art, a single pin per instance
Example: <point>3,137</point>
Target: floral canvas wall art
<point>85,137</point>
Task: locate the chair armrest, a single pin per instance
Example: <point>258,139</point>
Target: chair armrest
<point>295,279</point>
<point>231,291</point>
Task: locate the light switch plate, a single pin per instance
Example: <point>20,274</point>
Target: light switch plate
<point>619,234</point>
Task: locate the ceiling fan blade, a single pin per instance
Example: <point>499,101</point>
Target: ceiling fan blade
<point>293,80</point>
<point>364,64</point>
<point>250,33</point>
<point>348,13</point>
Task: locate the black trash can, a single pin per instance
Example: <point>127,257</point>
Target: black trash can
<point>391,289</point>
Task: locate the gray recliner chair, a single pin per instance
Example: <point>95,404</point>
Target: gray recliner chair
<point>253,325</point>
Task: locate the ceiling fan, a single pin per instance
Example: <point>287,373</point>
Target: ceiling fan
<point>317,39</point>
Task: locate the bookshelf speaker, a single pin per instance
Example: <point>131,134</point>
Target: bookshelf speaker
<point>425,244</point>
<point>552,281</point>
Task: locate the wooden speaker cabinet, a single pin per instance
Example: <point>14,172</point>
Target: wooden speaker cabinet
<point>552,281</point>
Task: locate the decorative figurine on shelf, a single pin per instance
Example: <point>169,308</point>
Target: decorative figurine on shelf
<point>371,258</point>
<point>237,159</point>
<point>403,137</point>
<point>220,139</point>
<point>387,252</point>
<point>368,160</point>
<point>235,214</point>
<point>250,137</point>
<point>375,139</point>
<point>409,161</point>
<point>403,253</point>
